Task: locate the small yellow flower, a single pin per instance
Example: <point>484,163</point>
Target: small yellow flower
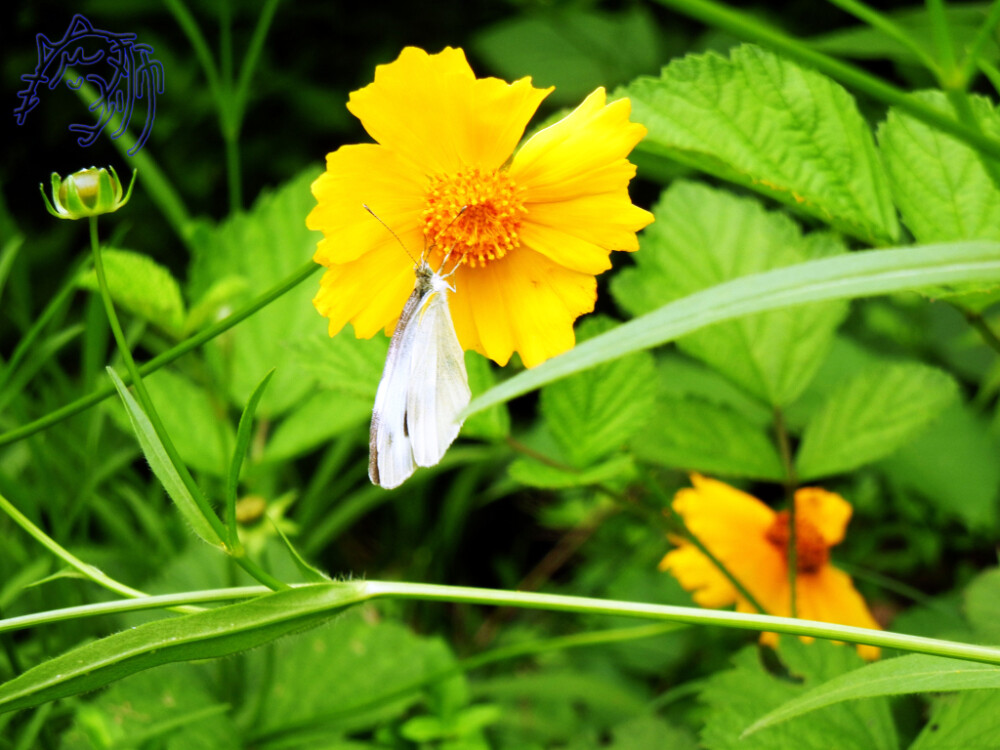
<point>751,540</point>
<point>536,228</point>
<point>87,192</point>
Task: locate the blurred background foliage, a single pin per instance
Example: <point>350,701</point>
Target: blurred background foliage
<point>491,514</point>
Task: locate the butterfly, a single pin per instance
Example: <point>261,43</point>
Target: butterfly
<point>424,385</point>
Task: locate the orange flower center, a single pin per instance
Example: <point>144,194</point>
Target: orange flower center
<point>487,229</point>
<point>812,552</point>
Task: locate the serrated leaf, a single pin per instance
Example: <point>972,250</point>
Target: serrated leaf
<point>205,635</point>
<point>163,468</point>
<point>870,415</point>
<point>344,363</point>
<point>770,125</point>
<point>916,673</point>
<point>143,287</point>
<point>534,473</point>
<point>962,721</point>
<point>858,274</point>
<point>592,414</point>
<point>738,696</point>
<point>262,246</point>
<point>702,237</point>
<point>941,185</point>
<point>695,435</point>
<point>572,48</point>
<point>202,438</point>
<point>954,466</point>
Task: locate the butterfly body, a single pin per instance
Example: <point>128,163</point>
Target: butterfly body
<point>424,386</point>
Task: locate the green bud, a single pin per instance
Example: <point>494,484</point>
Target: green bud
<point>89,192</point>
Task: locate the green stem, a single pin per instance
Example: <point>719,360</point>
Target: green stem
<point>201,49</point>
<point>977,321</point>
<point>89,571</point>
<point>230,136</point>
<point>252,56</point>
<point>651,484</point>
<point>371,590</point>
<point>970,62</point>
<point>165,358</point>
<point>720,16</point>
<point>890,28</point>
<point>791,484</point>
<point>154,417</point>
<point>942,42</point>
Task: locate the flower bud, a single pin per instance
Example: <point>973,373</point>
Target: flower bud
<point>89,192</point>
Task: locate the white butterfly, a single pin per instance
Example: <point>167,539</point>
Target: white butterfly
<point>424,385</point>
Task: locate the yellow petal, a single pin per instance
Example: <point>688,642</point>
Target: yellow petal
<point>697,574</point>
<point>360,175</point>
<point>433,111</point>
<point>827,511</point>
<point>522,302</point>
<point>581,154</point>
<point>724,518</point>
<point>369,292</point>
<point>579,234</point>
<point>829,596</point>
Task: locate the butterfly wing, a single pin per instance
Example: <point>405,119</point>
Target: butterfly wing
<point>439,385</point>
<point>390,458</point>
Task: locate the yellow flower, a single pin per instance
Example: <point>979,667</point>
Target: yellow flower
<point>751,540</point>
<point>536,228</point>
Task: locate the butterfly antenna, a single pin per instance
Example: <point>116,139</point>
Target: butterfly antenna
<point>389,229</point>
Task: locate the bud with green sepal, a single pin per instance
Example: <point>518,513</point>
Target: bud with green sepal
<point>86,193</point>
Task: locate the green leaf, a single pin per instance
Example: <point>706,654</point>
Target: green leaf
<point>143,287</point>
<point>344,363</point>
<point>204,438</point>
<point>942,186</point>
<point>594,413</point>
<point>174,705</point>
<point>954,466</point>
<point>702,237</point>
<point>162,467</point>
<point>322,416</point>
<point>870,415</point>
<point>534,473</point>
<point>573,49</point>
<point>770,125</point>
<point>243,435</point>
<point>347,676</point>
<point>968,720</point>
<point>982,605</point>
<point>917,673</point>
<point>269,242</point>
<point>205,635</point>
<point>742,694</point>
<point>859,274</point>
<point>696,435</point>
<point>494,423</point>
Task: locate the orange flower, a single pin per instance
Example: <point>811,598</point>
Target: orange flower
<point>751,540</point>
<point>536,228</point>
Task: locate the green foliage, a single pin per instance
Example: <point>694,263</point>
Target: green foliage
<point>871,414</point>
<point>768,124</point>
<point>737,697</point>
<point>593,413</point>
<point>143,287</point>
<point>688,249</point>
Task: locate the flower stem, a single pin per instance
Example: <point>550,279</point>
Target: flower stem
<point>791,484</point>
<point>971,61</point>
<point>890,28</point>
<point>977,321</point>
<point>168,445</point>
<point>54,417</point>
